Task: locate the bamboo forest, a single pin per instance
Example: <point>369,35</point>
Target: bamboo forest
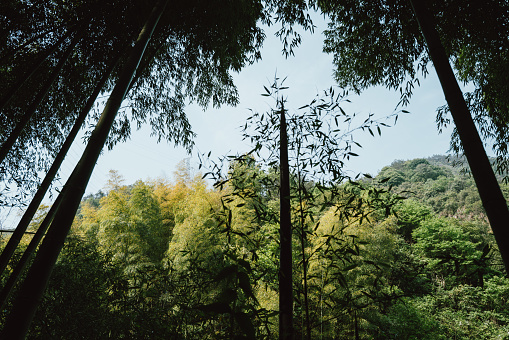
<point>180,260</point>
<point>278,242</point>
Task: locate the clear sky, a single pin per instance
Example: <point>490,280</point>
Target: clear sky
<point>308,73</point>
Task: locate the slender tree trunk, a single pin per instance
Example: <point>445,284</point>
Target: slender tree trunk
<point>491,196</point>
<point>32,289</point>
<point>303,238</point>
<point>27,255</point>
<point>303,241</point>
<point>48,179</point>
<point>20,125</point>
<point>7,98</point>
<point>285,234</point>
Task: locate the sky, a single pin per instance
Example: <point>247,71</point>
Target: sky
<point>307,74</point>
<point>218,131</point>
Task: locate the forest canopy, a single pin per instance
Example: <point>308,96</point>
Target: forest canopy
<point>182,260</point>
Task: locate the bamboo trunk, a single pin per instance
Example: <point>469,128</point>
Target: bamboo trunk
<point>48,179</point>
<point>32,289</point>
<point>492,198</point>
<point>285,234</point>
<point>303,240</point>
<point>27,255</point>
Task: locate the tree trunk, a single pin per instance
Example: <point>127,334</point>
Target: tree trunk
<point>20,125</point>
<point>48,179</point>
<point>285,234</point>
<point>7,98</point>
<point>303,239</point>
<point>32,289</point>
<point>491,196</point>
<point>27,255</point>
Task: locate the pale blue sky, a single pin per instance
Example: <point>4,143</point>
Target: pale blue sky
<point>308,73</point>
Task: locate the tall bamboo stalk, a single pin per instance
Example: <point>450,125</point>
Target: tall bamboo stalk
<point>492,198</point>
<point>285,235</point>
<point>27,254</point>
<point>303,241</point>
<point>32,289</point>
<point>45,184</point>
<point>20,125</point>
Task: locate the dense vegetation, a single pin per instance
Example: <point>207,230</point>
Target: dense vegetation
<point>161,259</point>
<point>220,242</point>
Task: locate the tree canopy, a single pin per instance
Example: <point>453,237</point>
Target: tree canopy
<point>379,43</point>
<point>427,271</point>
<point>190,59</point>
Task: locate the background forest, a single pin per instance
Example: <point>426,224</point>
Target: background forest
<point>406,254</point>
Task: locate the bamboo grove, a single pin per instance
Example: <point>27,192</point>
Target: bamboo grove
<point>57,58</point>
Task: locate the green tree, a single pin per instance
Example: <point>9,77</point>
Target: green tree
<point>395,176</point>
<point>131,226</point>
<point>193,236</point>
<point>406,320</point>
<point>453,250</point>
<point>410,215</point>
<point>466,312</point>
<point>405,54</point>
<point>207,253</point>
<point>82,281</point>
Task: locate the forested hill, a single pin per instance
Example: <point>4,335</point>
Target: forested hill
<point>439,182</point>
<point>180,260</point>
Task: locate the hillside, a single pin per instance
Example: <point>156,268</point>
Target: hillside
<point>439,183</point>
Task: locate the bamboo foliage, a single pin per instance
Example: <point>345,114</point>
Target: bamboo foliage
<point>32,289</point>
<point>37,64</point>
<point>23,121</point>
<point>185,62</point>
